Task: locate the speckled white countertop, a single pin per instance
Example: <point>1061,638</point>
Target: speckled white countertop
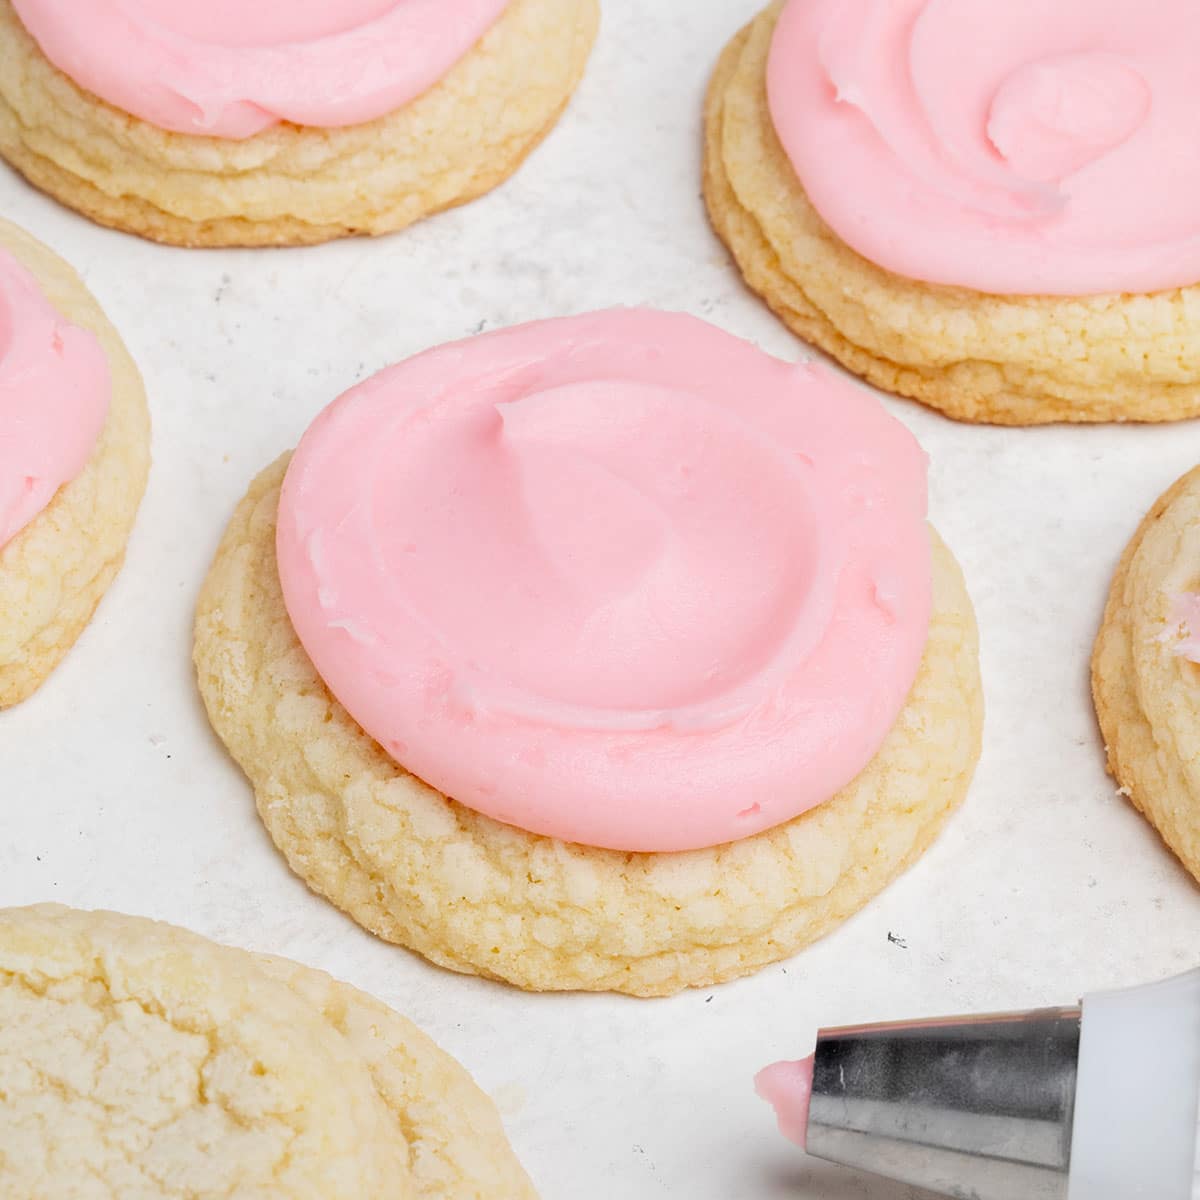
<point>115,794</point>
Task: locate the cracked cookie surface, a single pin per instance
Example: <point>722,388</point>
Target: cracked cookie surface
<point>138,1060</point>
<point>1011,360</point>
<point>488,899</point>
<point>292,185</point>
<point>1147,696</point>
<point>55,571</point>
<point>143,1062</point>
<point>456,1143</point>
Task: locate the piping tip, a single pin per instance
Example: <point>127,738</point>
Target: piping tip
<point>979,1108</point>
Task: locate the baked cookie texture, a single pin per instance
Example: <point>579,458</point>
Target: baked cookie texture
<point>1008,360</point>
<point>293,185</point>
<point>1147,696</point>
<point>483,898</point>
<point>54,572</point>
<point>137,1059</point>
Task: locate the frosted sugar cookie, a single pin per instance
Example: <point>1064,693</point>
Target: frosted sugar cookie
<point>137,1059</point>
<point>277,122</point>
<point>1145,677</point>
<point>988,208</point>
<point>605,652</point>
<point>74,454</point>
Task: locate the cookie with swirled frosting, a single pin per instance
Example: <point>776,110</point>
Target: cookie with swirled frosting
<point>74,455</point>
<point>279,122</point>
<point>990,209</point>
<point>600,653</point>
<point>1146,669</point>
<point>138,1059</point>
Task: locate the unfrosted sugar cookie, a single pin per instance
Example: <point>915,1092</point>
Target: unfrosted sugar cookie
<point>74,455</point>
<point>604,653</point>
<point>278,122</point>
<point>137,1059</point>
<point>991,208</point>
<point>1145,672</point>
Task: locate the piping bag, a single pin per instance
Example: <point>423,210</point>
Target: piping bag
<point>1094,1102</point>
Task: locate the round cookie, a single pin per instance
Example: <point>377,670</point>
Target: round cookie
<point>55,570</point>
<point>1010,360</point>
<point>1147,695</point>
<point>179,1068</point>
<point>489,899</point>
<point>293,184</point>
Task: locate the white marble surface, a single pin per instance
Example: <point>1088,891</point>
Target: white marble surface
<point>115,794</point>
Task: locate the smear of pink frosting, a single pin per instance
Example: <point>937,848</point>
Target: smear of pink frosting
<point>1183,626</point>
<point>621,579</point>
<point>787,1088</point>
<point>1021,147</point>
<point>54,395</point>
<point>232,68</point>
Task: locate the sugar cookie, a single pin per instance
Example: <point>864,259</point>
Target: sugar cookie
<point>74,455</point>
<point>140,1059</point>
<point>276,124</point>
<point>1003,278</point>
<point>1145,678</point>
<point>597,413</point>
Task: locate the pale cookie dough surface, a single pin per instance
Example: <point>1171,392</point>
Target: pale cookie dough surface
<point>292,185</point>
<point>140,1061</point>
<point>487,899</point>
<point>1147,696</point>
<point>457,1146</point>
<point>1008,360</point>
<point>54,572</point>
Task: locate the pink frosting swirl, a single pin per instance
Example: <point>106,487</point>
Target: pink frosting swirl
<point>620,579</point>
<point>54,394</point>
<point>232,68</point>
<point>1024,147</point>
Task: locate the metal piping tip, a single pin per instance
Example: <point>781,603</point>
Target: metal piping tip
<point>978,1109</point>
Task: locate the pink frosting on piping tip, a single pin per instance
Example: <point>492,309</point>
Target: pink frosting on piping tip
<point>1014,148</point>
<point>620,579</point>
<point>787,1088</point>
<point>54,394</point>
<point>232,68</point>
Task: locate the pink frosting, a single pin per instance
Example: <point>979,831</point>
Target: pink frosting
<point>621,579</point>
<point>1183,625</point>
<point>232,68</point>
<point>1020,147</point>
<point>54,394</point>
<point>787,1088</point>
